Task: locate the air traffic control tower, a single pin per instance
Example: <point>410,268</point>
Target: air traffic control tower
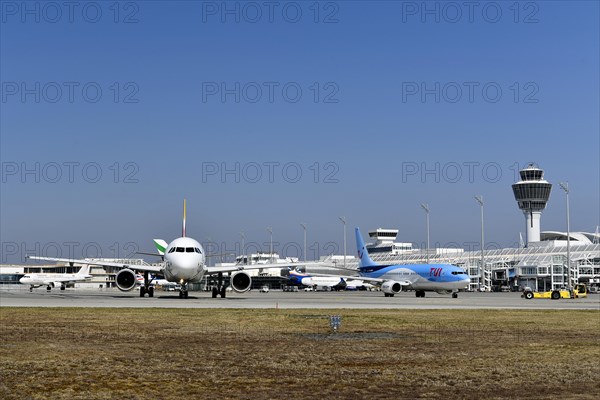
<point>532,193</point>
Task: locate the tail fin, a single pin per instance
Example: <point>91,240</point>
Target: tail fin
<point>363,255</point>
<point>84,270</point>
<point>160,245</point>
<point>183,226</point>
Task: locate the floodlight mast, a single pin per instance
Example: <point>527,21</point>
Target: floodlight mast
<point>303,225</point>
<point>270,230</point>
<point>482,275</point>
<point>343,219</point>
<point>244,259</point>
<point>565,186</point>
<point>426,208</point>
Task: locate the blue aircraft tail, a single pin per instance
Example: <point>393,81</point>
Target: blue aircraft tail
<point>363,255</point>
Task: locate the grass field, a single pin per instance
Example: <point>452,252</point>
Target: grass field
<point>258,354</point>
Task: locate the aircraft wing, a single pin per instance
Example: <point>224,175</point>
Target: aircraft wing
<point>243,267</point>
<point>67,280</point>
<point>89,261</point>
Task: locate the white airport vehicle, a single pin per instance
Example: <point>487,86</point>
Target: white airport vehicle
<point>264,289</point>
<point>51,280</point>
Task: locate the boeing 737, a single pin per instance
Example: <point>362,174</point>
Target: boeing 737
<point>51,280</point>
<point>184,262</point>
<point>441,278</point>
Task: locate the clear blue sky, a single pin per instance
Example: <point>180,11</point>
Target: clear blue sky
<point>388,90</point>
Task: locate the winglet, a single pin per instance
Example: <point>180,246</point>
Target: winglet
<point>363,255</point>
<point>160,245</point>
<point>183,226</point>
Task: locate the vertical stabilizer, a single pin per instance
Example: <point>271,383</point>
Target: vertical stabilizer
<point>183,226</point>
<point>84,270</point>
<point>160,245</point>
<point>363,255</point>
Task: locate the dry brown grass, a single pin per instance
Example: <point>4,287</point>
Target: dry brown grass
<point>198,353</point>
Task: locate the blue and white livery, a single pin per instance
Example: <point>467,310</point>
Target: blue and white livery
<point>441,278</point>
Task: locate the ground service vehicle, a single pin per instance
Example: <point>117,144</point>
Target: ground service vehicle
<point>580,290</point>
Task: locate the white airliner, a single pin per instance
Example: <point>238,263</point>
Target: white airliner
<point>51,280</point>
<point>184,263</point>
<point>317,282</point>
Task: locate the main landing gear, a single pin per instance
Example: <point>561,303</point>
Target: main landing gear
<point>146,288</point>
<point>455,295</point>
<point>419,293</point>
<point>219,290</point>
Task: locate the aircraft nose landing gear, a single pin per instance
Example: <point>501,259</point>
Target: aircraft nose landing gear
<point>183,293</point>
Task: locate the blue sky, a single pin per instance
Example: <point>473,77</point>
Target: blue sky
<point>351,108</point>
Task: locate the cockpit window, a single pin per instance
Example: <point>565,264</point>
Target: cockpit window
<point>189,249</point>
<point>197,250</point>
<point>172,249</point>
<point>180,250</point>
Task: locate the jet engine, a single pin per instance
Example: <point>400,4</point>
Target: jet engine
<point>391,287</point>
<point>240,282</point>
<point>125,280</point>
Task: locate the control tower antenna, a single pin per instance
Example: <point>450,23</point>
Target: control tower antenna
<point>532,193</point>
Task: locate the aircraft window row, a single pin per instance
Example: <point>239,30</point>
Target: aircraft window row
<point>458,273</point>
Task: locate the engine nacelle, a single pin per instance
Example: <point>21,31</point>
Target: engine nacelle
<point>125,280</point>
<point>240,282</point>
<point>391,287</point>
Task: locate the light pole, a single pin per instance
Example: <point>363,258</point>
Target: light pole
<point>243,255</point>
<point>304,227</point>
<point>426,208</point>
<point>482,277</point>
<point>207,255</point>
<point>270,230</point>
<point>343,219</point>
<point>565,186</point>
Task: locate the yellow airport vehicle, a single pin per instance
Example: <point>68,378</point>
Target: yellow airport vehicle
<point>580,290</point>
